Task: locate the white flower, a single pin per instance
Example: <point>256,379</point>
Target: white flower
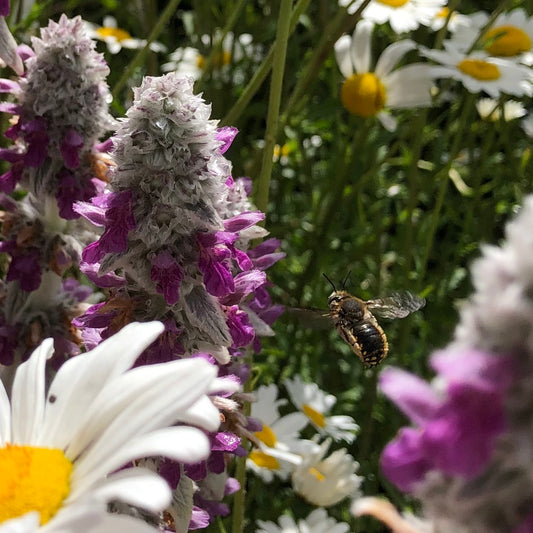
<point>491,110</point>
<point>456,21</point>
<point>117,38</point>
<point>325,482</point>
<point>190,61</point>
<point>477,72</point>
<point>527,125</point>
<point>402,15</point>
<point>279,436</point>
<point>318,521</point>
<point>62,452</point>
<point>510,35</point>
<point>315,403</point>
<point>366,93</point>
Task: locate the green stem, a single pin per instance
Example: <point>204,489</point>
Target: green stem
<point>261,73</point>
<point>340,24</point>
<point>217,49</point>
<point>278,70</point>
<point>139,57</point>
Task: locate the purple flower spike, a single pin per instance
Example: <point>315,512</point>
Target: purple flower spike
<point>167,275</point>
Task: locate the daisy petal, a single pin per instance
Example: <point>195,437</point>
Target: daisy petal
<point>342,54</point>
<point>183,444</point>
<point>139,487</point>
<point>27,401</point>
<point>28,523</point>
<point>5,417</point>
<point>74,386</point>
<point>391,55</point>
<point>361,46</point>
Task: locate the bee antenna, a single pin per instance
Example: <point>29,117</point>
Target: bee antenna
<point>331,282</point>
<point>346,280</point>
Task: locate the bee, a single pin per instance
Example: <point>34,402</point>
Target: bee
<point>355,322</point>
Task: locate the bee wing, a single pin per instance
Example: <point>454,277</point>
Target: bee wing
<point>397,305</point>
<point>311,317</point>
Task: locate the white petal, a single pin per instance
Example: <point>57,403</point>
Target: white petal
<point>141,400</point>
<point>409,86</point>
<point>27,400</point>
<point>136,486</point>
<point>388,121</point>
<point>8,48</point>
<point>361,46</point>
<point>391,55</point>
<point>80,378</point>
<point>82,516</point>
<point>28,523</point>
<point>183,444</point>
<point>342,54</point>
<point>5,417</point>
<point>202,413</point>
<point>115,523</point>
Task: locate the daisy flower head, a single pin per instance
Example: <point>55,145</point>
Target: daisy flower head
<point>317,521</point>
<point>116,38</point>
<point>63,450</point>
<point>402,15</point>
<point>277,434</point>
<point>326,481</point>
<point>456,20</point>
<point>479,72</point>
<point>315,404</point>
<point>492,110</point>
<point>367,93</point>
<point>510,35</point>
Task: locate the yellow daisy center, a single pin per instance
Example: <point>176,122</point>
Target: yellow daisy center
<point>443,13</point>
<point>363,94</point>
<point>218,61</point>
<point>317,474</point>
<point>266,436</point>
<point>117,33</point>
<point>507,41</point>
<point>479,69</point>
<point>32,479</point>
<point>316,417</point>
<point>394,3</point>
<point>263,460</point>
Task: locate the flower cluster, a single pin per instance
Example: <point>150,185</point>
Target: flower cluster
<point>467,456</point>
<point>281,452</point>
<point>59,116</point>
<point>175,247</point>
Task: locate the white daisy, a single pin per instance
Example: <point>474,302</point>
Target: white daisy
<point>366,93</point>
<point>62,452</point>
<point>117,38</point>
<point>402,15</point>
<point>318,521</point>
<point>190,61</point>
<point>315,404</point>
<point>477,72</point>
<point>325,482</point>
<point>491,110</point>
<point>279,436</point>
<point>510,35</point>
<point>456,20</point>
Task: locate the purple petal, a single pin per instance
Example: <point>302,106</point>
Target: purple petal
<point>70,147</point>
<point>25,52</point>
<point>241,330</point>
<point>226,135</point>
<point>167,275</point>
<point>266,261</point>
<point>8,86</point>
<point>119,222</point>
<point>208,240</point>
<point>25,269</point>
<point>266,247</point>
<point>403,460</point>
<point>105,281</point>
<point>243,220</point>
<point>412,395</point>
<point>4,8</point>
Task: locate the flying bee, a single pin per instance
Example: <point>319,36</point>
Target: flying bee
<point>355,322</point>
